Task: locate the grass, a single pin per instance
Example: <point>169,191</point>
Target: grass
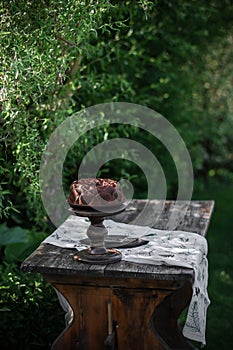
<point>220,241</point>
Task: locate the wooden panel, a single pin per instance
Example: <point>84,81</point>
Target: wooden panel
<point>146,317</point>
<point>133,310</point>
<point>196,218</point>
<point>111,282</point>
<point>56,260</point>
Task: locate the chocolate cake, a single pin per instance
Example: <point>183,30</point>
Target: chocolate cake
<point>95,192</point>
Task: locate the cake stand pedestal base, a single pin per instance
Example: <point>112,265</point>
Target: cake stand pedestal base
<point>97,232</point>
<point>111,256</point>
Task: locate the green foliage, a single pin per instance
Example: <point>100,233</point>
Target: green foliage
<point>62,56</point>
<point>5,205</point>
<point>16,243</point>
<point>31,317</point>
<point>11,236</point>
<point>44,44</point>
<point>220,242</point>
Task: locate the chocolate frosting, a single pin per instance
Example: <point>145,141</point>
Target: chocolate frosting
<point>95,192</point>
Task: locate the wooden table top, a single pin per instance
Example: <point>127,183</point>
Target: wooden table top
<point>50,259</point>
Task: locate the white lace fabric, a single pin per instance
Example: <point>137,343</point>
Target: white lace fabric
<point>173,248</point>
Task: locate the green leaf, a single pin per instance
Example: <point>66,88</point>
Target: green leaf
<point>20,251</point>
<point>4,309</point>
<point>12,235</point>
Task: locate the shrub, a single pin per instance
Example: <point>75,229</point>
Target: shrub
<point>62,56</point>
<point>31,317</point>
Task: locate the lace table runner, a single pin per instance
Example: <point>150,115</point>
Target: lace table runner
<point>173,248</point>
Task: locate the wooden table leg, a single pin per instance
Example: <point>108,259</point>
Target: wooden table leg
<point>165,318</point>
<point>88,329</point>
<point>146,318</point>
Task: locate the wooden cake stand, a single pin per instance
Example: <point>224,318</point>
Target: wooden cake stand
<point>97,232</point>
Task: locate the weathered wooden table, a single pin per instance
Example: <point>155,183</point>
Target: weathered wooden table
<point>146,300</point>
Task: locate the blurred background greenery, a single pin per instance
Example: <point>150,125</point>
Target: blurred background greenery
<point>58,57</point>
